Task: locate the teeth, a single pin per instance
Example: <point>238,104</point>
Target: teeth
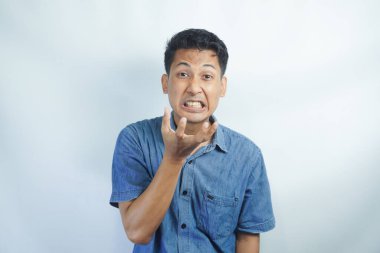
<point>193,104</point>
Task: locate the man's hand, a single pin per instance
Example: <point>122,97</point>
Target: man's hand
<point>142,216</point>
<point>179,145</point>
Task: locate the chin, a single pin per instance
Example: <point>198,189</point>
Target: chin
<point>197,118</point>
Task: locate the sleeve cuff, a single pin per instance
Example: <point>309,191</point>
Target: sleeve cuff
<point>117,197</point>
<point>258,228</point>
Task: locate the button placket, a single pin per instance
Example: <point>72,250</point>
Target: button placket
<point>186,180</point>
<point>184,205</point>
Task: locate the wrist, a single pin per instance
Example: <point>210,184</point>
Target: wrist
<point>173,161</point>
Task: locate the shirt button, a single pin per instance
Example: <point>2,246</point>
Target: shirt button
<point>190,161</point>
<point>184,192</point>
<point>183,226</point>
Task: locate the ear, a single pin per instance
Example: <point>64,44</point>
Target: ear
<point>224,86</point>
<point>164,83</point>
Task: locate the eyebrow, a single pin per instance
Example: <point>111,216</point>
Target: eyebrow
<point>209,65</point>
<point>183,63</point>
<point>188,65</point>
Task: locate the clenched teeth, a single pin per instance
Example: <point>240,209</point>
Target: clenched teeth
<point>193,104</point>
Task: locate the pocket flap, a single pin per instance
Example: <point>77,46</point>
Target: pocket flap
<point>220,200</point>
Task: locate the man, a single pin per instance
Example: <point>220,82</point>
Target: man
<point>182,182</point>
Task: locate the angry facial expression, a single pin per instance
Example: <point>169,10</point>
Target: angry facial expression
<point>194,85</point>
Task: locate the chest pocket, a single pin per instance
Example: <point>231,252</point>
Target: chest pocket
<point>218,215</point>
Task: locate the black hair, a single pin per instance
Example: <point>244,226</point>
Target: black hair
<point>198,39</point>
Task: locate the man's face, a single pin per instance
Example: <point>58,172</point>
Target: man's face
<point>194,84</point>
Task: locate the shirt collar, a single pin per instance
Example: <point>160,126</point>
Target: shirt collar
<point>218,138</point>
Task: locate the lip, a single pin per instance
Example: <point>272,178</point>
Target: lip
<point>194,109</point>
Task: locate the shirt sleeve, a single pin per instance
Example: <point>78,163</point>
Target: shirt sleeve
<point>256,214</point>
<point>129,171</point>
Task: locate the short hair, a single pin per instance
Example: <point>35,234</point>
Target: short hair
<point>197,39</point>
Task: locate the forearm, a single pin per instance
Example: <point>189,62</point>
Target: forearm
<point>142,216</point>
<point>247,243</point>
<point>145,214</point>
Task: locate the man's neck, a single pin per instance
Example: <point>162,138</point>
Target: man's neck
<point>193,128</point>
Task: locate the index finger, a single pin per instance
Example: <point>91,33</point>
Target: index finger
<point>213,127</point>
<point>207,131</point>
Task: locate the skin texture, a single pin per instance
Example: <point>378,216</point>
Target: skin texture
<point>247,243</point>
<point>194,86</point>
<point>194,76</point>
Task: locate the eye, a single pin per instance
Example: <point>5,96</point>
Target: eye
<point>182,75</point>
<point>207,77</point>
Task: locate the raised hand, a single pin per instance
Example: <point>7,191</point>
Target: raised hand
<point>179,145</point>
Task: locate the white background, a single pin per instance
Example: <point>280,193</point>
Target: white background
<point>303,83</point>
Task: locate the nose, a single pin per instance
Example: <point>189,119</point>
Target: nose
<point>194,86</point>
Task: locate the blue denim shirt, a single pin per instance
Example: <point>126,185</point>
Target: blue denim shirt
<point>222,189</point>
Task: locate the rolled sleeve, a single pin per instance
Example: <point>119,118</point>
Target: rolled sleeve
<point>256,215</point>
<point>129,171</point>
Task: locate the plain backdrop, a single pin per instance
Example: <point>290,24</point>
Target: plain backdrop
<point>303,84</point>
